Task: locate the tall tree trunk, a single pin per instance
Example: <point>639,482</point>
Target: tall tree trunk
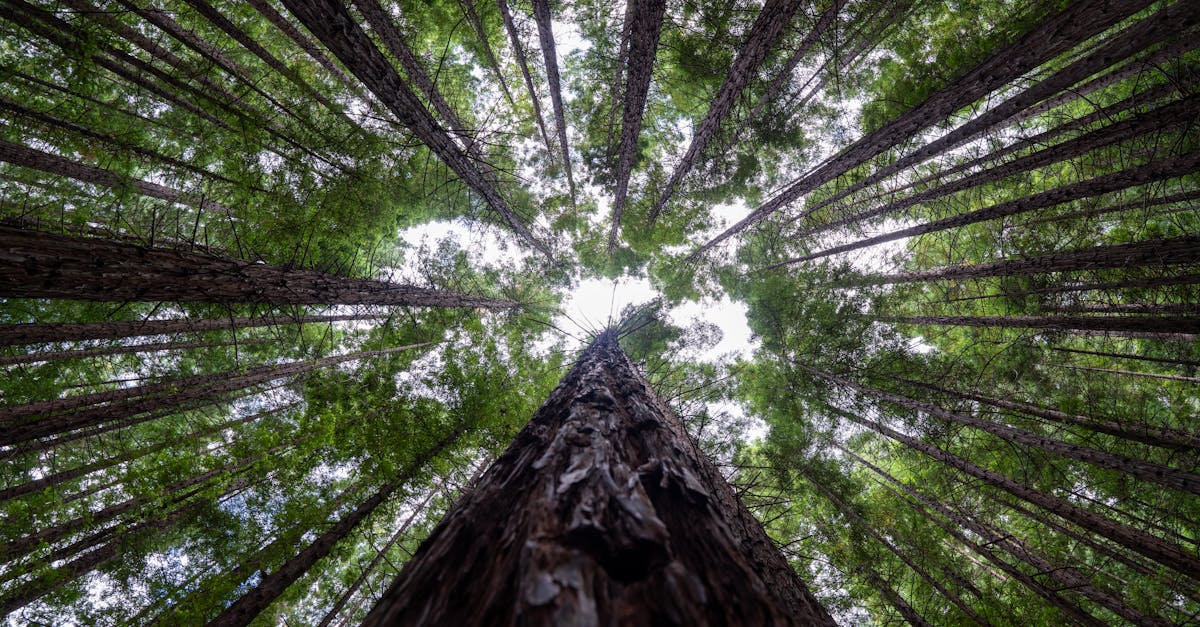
<point>910,615</point>
<point>40,160</point>
<point>84,353</point>
<point>1183,279</point>
<point>1054,35</point>
<point>1160,327</point>
<point>602,510</point>
<point>1158,170</point>
<point>44,332</point>
<point>245,609</point>
<point>1162,551</point>
<point>1156,436</point>
<point>488,54</point>
<point>764,33</point>
<point>64,415</point>
<point>331,22</point>
<point>46,265</point>
<point>523,62</point>
<point>541,15</point>
<point>1146,471</point>
<point>383,26</point>
<point>1161,360</point>
<point>1132,373</point>
<point>645,19</point>
<point>265,9</point>
<point>1155,252</point>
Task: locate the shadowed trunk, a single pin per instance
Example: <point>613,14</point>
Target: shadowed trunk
<point>601,511</point>
<point>523,62</point>
<point>541,14</point>
<point>42,332</point>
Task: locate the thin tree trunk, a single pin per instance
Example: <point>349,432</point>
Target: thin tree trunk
<point>1179,113</point>
<point>265,9</point>
<point>923,505</point>
<point>45,332</point>
<point>64,415</point>
<point>1156,436</point>
<point>764,33</point>
<point>523,62</point>
<point>1161,360</point>
<point>391,37</point>
<point>45,265</point>
<point>910,615</point>
<point>1154,252</point>
<point>1051,37</point>
<point>42,161</point>
<point>1132,373</point>
<point>331,22</point>
<point>269,587</point>
<point>645,20</point>
<point>1183,279</point>
<point>602,510</point>
<point>541,15</point>
<point>1164,552</point>
<point>1146,471</point>
<point>1172,167</point>
<point>34,357</point>
<point>1161,327</point>
<point>488,54</point>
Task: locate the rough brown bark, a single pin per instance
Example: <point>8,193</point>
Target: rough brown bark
<point>1171,167</point>
<point>523,62</point>
<point>250,605</point>
<point>35,159</point>
<point>1049,38</point>
<point>1154,252</point>
<point>541,15</point>
<point>45,265</point>
<point>764,33</point>
<point>644,24</point>
<point>331,22</point>
<point>1146,471</point>
<point>40,333</point>
<point>601,511</point>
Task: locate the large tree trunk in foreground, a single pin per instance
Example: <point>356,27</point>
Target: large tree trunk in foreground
<point>601,512</point>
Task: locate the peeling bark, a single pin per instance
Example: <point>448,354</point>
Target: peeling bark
<point>602,511</point>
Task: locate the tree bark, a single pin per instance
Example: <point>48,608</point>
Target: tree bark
<point>45,265</point>
<point>1172,167</point>
<point>250,605</point>
<point>523,62</point>
<point>645,20</point>
<point>602,510</point>
<point>331,22</point>
<point>764,33</point>
<point>1160,327</point>
<point>1161,360</point>
<point>1155,252</point>
<point>488,54</point>
<point>265,9</point>
<point>34,357</point>
<point>1054,35</point>
<point>541,15</point>
<point>45,332</point>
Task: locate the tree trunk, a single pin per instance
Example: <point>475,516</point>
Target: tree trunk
<point>764,33</point>
<point>1183,279</point>
<point>1153,171</point>
<point>250,605</point>
<point>1132,373</point>
<point>42,161</point>
<point>45,332</point>
<point>523,63</point>
<point>265,9</point>
<point>645,20</point>
<point>1146,471</point>
<point>477,24</point>
<point>1162,436</point>
<point>1160,327</point>
<point>541,15</point>
<point>910,615</point>
<point>1160,550</point>
<point>331,22</point>
<point>1161,360</point>
<point>1054,35</point>
<point>601,511</point>
<point>85,353</point>
<point>45,265</point>
<point>1154,252</point>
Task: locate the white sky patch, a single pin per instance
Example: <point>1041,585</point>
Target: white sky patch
<point>596,303</point>
<point>729,315</point>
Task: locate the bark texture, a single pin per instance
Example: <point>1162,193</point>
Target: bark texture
<point>542,15</point>
<point>45,265</point>
<point>601,512</point>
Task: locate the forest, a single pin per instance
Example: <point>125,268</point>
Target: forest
<point>287,296</point>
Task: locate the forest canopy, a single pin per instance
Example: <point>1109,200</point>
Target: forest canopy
<point>280,279</point>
